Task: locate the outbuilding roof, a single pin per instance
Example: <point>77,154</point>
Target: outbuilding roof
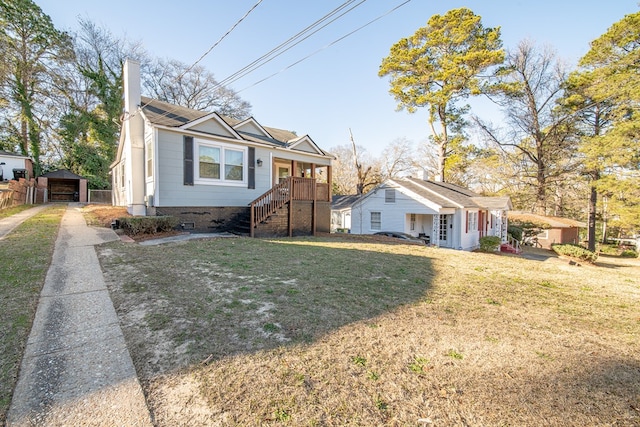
<point>553,221</point>
<point>62,174</point>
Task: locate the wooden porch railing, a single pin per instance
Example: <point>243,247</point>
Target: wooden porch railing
<point>292,188</point>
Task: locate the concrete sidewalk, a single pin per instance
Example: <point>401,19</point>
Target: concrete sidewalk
<point>8,224</point>
<point>76,369</point>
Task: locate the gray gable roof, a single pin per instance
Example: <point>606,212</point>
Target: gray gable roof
<point>453,195</point>
<point>343,202</point>
<point>449,195</point>
<point>165,114</point>
<point>419,187</point>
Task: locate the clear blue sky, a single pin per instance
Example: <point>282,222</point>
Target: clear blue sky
<point>337,88</point>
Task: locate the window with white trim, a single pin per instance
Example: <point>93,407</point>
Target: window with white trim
<point>412,222</point>
<point>376,220</point>
<point>390,195</point>
<point>149,153</point>
<point>472,222</point>
<point>218,163</point>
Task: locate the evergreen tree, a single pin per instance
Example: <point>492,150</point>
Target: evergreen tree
<point>439,66</point>
<point>32,47</point>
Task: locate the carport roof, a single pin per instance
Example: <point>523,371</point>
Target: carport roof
<point>62,174</point>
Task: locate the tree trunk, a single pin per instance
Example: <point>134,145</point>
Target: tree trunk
<point>540,206</point>
<point>591,226</point>
<point>442,158</point>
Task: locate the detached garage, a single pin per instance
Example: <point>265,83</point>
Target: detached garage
<point>64,186</point>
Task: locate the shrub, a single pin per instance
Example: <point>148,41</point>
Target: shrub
<point>147,224</point>
<point>489,243</point>
<point>575,251</point>
<point>629,253</point>
<point>515,231</point>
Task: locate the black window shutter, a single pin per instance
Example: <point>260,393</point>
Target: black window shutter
<point>188,160</point>
<point>252,168</point>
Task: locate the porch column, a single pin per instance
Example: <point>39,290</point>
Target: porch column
<point>330,182</point>
<point>435,231</point>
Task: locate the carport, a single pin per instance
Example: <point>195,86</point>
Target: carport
<point>64,186</point>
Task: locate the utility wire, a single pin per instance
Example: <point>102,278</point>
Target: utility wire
<point>220,40</point>
<point>301,33</point>
<point>229,31</point>
<point>326,46</point>
<point>280,49</point>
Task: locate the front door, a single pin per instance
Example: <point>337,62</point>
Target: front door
<point>282,172</point>
<point>445,230</point>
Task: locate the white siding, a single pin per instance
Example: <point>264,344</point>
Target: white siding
<point>11,163</point>
<point>470,238</point>
<point>394,215</point>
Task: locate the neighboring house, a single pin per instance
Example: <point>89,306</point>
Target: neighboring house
<point>215,173</point>
<point>341,213</point>
<point>443,214</point>
<point>10,161</point>
<point>554,229</point>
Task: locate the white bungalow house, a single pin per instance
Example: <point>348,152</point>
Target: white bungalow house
<point>443,214</point>
<point>215,173</point>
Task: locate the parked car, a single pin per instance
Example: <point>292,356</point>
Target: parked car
<point>399,235</point>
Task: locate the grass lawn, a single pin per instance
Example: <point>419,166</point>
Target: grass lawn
<point>25,255</point>
<point>341,330</point>
<point>13,210</point>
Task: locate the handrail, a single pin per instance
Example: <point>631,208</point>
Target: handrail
<point>270,202</point>
<point>291,188</point>
<point>515,244</point>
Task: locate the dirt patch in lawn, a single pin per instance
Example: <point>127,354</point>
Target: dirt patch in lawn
<point>341,330</point>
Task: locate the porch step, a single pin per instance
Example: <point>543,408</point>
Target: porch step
<point>507,248</point>
<point>239,224</point>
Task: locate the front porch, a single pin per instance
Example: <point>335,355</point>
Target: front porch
<point>434,229</point>
<point>299,203</point>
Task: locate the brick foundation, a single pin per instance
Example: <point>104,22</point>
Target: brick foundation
<point>206,219</point>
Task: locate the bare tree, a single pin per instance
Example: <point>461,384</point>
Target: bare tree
<point>397,159</point>
<point>536,135</point>
<point>193,87</point>
<point>355,171</point>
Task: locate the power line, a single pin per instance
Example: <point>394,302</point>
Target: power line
<point>246,70</point>
<point>326,46</point>
<point>220,40</point>
<point>233,27</point>
<point>282,48</point>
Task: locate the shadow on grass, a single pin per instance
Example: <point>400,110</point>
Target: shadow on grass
<point>183,303</point>
<point>595,389</point>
